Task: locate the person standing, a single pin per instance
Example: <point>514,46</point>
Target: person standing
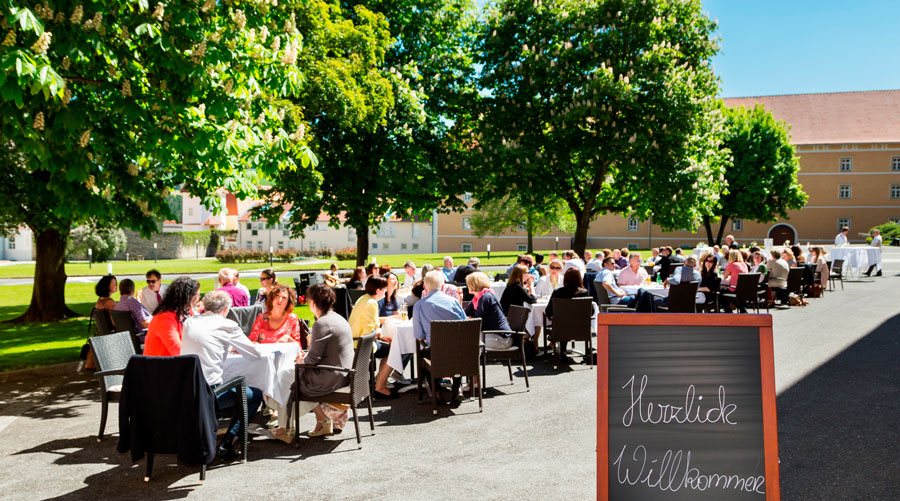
<point>841,239</point>
<point>876,242</point>
<point>151,295</point>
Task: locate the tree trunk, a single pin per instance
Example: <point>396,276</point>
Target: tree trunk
<point>581,228</point>
<point>362,245</point>
<point>721,229</point>
<point>48,296</point>
<point>529,225</point>
<point>709,233</point>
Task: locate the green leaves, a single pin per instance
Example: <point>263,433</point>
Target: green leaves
<point>27,20</point>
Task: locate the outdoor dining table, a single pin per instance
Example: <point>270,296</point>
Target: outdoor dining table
<point>497,288</point>
<point>536,317</point>
<point>654,288</point>
<point>402,342</point>
<point>856,259</point>
<point>272,373</point>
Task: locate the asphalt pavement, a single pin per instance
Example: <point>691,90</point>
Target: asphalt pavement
<point>837,378</point>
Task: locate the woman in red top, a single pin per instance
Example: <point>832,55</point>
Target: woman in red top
<point>278,324</point>
<point>736,266</point>
<point>164,331</point>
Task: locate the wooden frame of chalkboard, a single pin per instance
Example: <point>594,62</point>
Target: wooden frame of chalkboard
<point>658,323</point>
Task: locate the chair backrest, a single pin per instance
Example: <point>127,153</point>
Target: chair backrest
<point>649,269</point>
<point>518,317</point>
<point>795,280</point>
<point>747,286</point>
<point>362,357</point>
<point>601,295</point>
<point>572,318</point>
<point>112,352</point>
<point>122,321</point>
<point>342,305</point>
<point>299,287</point>
<point>246,315</point>
<point>355,294</point>
<point>455,347</point>
<point>501,277</point>
<point>683,297</point>
<point>837,266</point>
<point>102,321</point>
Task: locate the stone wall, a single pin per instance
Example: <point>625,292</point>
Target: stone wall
<point>169,246</point>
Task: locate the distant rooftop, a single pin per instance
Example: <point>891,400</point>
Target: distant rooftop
<point>834,118</point>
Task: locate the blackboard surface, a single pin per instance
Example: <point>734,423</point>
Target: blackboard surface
<point>685,415</point>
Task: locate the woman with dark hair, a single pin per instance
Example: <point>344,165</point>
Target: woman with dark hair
<point>388,306</point>
<point>331,344</point>
<point>519,289</point>
<point>364,316</point>
<point>798,254</point>
<point>164,333</point>
<point>104,289</point>
<point>572,288</point>
<point>357,279</point>
<point>267,280</point>
<point>278,324</point>
<point>709,278</point>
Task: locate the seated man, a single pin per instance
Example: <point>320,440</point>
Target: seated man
<point>151,295</point>
<point>778,275</point>
<point>634,273</point>
<point>128,303</point>
<point>210,336</point>
<point>606,280</point>
<point>226,284</point>
<point>686,273</point>
<point>433,306</point>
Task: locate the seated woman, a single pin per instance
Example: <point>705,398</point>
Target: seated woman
<point>104,289</point>
<point>709,278</point>
<point>267,280</point>
<point>278,324</point>
<point>388,306</point>
<point>330,343</point>
<point>357,279</point>
<point>789,258</point>
<point>735,267</point>
<point>819,258</point>
<point>549,283</point>
<point>164,332</point>
<point>758,265</point>
<point>519,289</point>
<point>798,254</point>
<point>364,316</point>
<point>486,306</point>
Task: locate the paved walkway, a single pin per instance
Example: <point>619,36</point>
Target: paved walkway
<point>837,377</point>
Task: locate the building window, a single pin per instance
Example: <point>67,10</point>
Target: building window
<point>467,223</point>
<point>846,164</point>
<point>415,246</point>
<point>254,232</point>
<point>249,244</point>
<point>467,197</point>
<point>286,233</point>
<point>249,226</point>
<point>12,242</point>
<point>312,244</point>
<point>259,245</point>
<point>844,191</point>
<point>466,248</point>
<point>895,191</point>
<point>894,219</point>
<point>415,230</point>
<point>385,246</point>
<point>632,224</point>
<point>521,227</point>
<point>290,244</point>
<point>632,246</point>
<point>895,164</point>
<point>521,248</point>
<point>737,225</point>
<point>351,234</point>
<point>374,245</point>
<point>387,230</point>
<point>843,222</point>
<point>190,211</point>
<point>402,246</point>
<point>323,245</point>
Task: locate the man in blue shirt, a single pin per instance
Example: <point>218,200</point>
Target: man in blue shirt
<point>448,269</point>
<point>606,282</point>
<point>435,305</point>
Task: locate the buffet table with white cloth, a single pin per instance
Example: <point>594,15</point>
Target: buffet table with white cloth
<point>272,373</point>
<point>857,259</point>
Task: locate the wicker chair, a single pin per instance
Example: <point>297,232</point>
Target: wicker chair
<point>601,296</point>
<point>455,350</point>
<point>572,322</point>
<point>122,321</point>
<point>746,291</point>
<point>355,294</point>
<point>682,298</point>
<point>111,354</point>
<point>353,394</point>
<point>518,317</point>
<point>836,273</point>
<point>100,318</point>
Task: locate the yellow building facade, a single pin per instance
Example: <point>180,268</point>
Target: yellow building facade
<point>849,149</point>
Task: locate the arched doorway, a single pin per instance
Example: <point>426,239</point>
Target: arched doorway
<point>781,233</point>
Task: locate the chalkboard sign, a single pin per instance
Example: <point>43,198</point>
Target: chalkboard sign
<point>686,407</point>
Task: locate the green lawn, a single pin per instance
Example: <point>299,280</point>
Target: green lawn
<point>180,266</point>
<point>38,344</point>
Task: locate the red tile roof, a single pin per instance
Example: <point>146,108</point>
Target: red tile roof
<point>834,118</point>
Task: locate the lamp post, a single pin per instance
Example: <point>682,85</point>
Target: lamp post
<point>90,258</point>
<point>197,248</point>
<point>155,253</point>
<point>489,250</point>
<point>271,256</point>
<point>557,243</point>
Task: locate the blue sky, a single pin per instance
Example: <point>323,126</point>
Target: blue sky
<point>802,46</point>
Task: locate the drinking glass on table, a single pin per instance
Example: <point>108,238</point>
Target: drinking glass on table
<point>403,314</point>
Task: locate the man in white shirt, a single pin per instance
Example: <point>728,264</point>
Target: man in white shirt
<point>841,239</point>
<point>596,264</point>
<point>876,242</point>
<point>210,336</point>
<point>411,276</point>
<point>571,260</point>
<point>237,281</point>
<point>151,295</point>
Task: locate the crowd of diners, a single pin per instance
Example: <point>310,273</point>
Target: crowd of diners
<point>173,320</point>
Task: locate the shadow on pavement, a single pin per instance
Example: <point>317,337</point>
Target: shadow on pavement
<point>839,427</point>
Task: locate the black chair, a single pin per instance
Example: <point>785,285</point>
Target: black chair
<point>342,304</point>
<point>100,318</point>
<point>518,317</point>
<point>245,316</point>
<point>746,291</point>
<point>111,354</point>
<point>355,294</point>
<point>122,321</point>
<point>455,351</point>
<point>836,273</point>
<point>682,298</point>
<point>795,282</point>
<point>601,297</point>
<point>501,277</point>
<point>353,394</point>
<point>572,322</point>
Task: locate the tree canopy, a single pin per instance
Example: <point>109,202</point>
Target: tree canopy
<point>607,106</point>
<point>761,177</point>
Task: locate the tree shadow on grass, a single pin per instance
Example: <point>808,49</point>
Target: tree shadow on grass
<point>838,427</point>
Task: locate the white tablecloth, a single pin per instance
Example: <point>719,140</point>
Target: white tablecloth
<point>402,342</point>
<point>654,288</point>
<point>272,373</point>
<point>699,251</point>
<point>856,258</point>
<point>498,288</point>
